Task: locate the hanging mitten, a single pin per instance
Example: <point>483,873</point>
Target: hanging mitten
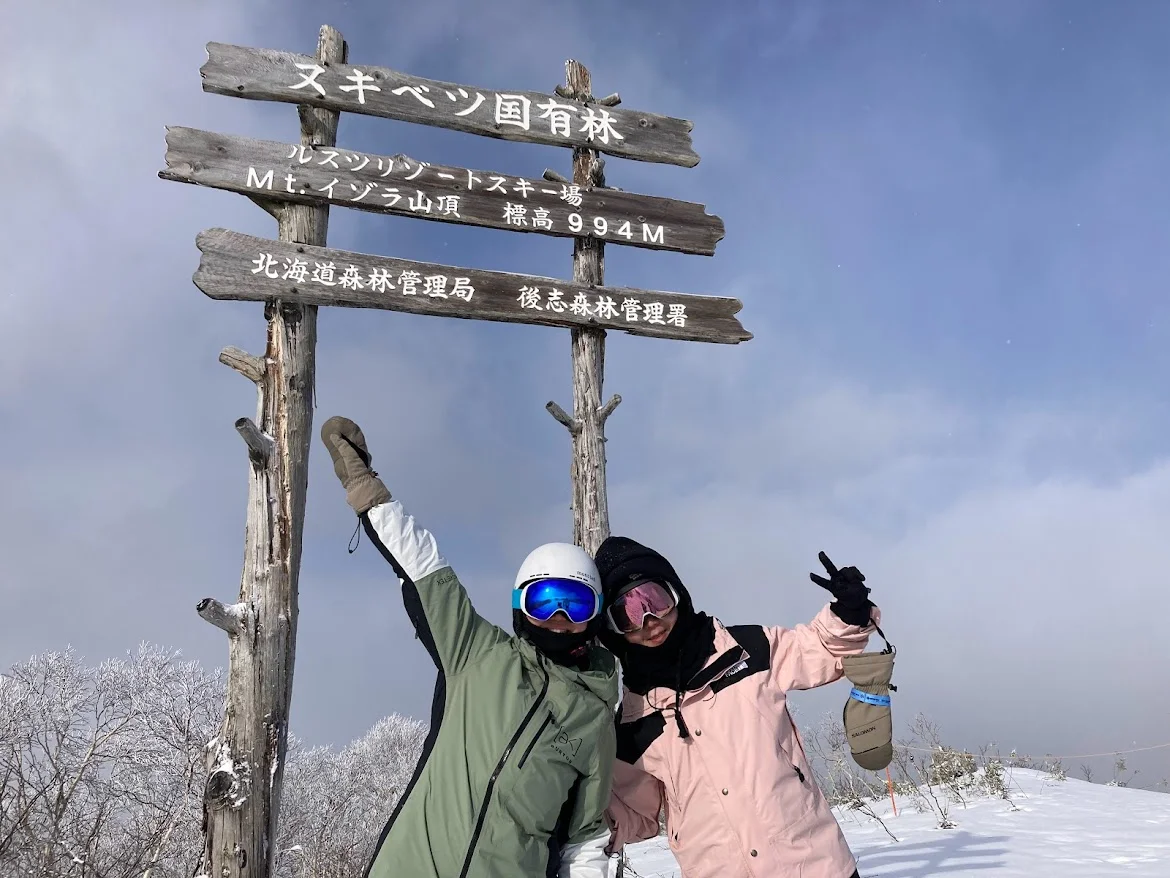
<point>869,726</point>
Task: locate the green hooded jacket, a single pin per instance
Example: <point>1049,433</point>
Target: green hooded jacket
<point>516,770</point>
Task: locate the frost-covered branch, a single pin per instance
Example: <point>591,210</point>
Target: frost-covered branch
<point>95,764</point>
<point>102,774</point>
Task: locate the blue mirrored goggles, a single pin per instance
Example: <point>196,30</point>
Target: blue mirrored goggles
<point>543,598</point>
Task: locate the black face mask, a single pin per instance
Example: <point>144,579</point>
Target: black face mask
<point>560,647</point>
<point>673,662</point>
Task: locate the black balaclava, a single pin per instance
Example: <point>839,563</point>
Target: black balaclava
<point>560,647</point>
<point>622,564</point>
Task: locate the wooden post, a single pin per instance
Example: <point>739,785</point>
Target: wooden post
<point>245,761</point>
<point>241,801</point>
<point>590,503</point>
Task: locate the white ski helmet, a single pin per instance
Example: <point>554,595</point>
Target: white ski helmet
<point>558,561</point>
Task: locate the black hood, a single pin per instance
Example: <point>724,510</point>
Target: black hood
<point>622,563</point>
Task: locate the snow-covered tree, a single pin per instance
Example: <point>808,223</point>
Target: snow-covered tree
<point>100,768</point>
<point>102,771</point>
<point>335,802</point>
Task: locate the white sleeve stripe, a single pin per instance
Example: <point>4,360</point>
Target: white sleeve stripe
<point>411,545</point>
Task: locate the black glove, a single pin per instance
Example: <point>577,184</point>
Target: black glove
<point>852,604</point>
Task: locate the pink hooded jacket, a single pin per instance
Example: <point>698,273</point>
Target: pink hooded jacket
<point>740,797</point>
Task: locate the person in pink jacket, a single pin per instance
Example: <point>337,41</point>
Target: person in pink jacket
<point>704,730</point>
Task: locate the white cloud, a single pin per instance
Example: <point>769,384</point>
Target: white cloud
<point>1010,589</point>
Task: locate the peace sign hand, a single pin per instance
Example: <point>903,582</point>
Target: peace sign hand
<point>847,585</point>
<point>849,577</point>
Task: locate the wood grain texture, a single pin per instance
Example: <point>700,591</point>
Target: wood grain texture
<point>241,800</point>
<point>590,504</point>
<point>259,445</point>
<point>247,365</point>
<point>272,75</point>
<point>242,267</point>
<point>405,186</point>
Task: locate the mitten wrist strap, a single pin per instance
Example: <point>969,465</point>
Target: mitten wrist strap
<point>889,647</point>
<point>868,698</point>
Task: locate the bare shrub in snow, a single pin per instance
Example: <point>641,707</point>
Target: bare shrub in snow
<point>925,773</point>
<point>843,782</point>
<point>1119,769</point>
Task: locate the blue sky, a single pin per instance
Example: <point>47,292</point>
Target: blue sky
<point>946,222</point>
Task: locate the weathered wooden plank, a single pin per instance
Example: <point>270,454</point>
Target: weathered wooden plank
<point>407,187</point>
<point>272,75</point>
<point>242,267</point>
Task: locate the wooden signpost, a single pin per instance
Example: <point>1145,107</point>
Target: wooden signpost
<point>558,119</point>
<point>297,272</point>
<point>237,266</point>
<point>407,187</point>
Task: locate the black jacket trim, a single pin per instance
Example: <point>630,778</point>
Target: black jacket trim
<point>414,609</point>
<point>634,738</point>
<point>728,660</point>
<point>410,595</point>
<point>558,839</point>
<point>755,643</point>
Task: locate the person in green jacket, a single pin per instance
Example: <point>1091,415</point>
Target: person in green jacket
<point>516,770</point>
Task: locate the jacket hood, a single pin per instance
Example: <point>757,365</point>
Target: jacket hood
<point>622,562</point>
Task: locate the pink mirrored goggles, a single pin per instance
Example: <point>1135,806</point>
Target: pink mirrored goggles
<point>628,613</point>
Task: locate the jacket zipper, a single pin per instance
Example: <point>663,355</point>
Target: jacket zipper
<point>487,796</point>
<point>544,725</point>
<point>799,773</point>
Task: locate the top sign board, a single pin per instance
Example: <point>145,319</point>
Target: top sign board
<point>271,75</point>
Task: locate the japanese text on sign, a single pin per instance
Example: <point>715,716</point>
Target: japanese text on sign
<point>515,110</point>
<point>513,191</point>
<point>378,280</point>
<point>604,307</point>
<point>441,286</point>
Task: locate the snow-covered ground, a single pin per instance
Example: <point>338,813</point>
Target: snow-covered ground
<point>1062,829</point>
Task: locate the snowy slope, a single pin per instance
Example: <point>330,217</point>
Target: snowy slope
<point>1062,829</point>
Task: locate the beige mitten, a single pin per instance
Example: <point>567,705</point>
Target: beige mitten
<point>868,722</point>
<point>351,461</point>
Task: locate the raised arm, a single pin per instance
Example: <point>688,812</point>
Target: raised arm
<point>448,625</point>
<point>808,656</point>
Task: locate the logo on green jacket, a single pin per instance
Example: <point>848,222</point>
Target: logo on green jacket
<point>566,746</point>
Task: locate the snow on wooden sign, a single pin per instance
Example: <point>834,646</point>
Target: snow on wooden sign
<point>409,187</point>
<point>271,75</point>
<point>243,267</point>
